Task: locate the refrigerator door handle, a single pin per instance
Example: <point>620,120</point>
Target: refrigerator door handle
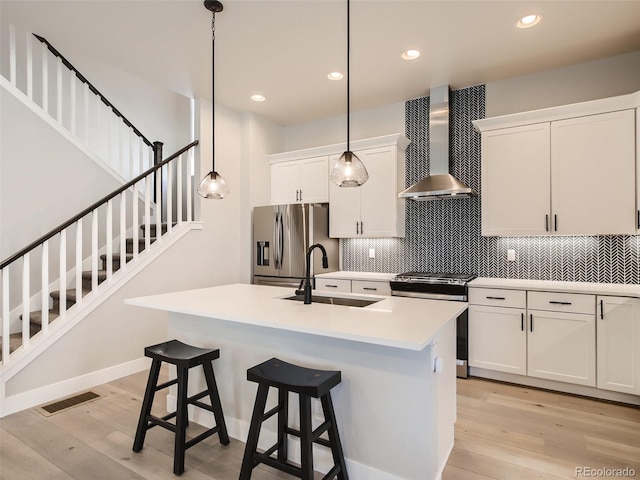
<point>276,248</point>
<point>281,242</point>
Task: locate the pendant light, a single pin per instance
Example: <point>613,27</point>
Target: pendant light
<point>349,171</point>
<point>213,185</point>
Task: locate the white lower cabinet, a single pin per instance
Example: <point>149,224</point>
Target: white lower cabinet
<point>618,336</point>
<point>555,340</point>
<point>498,339</point>
<point>562,346</point>
<point>369,287</point>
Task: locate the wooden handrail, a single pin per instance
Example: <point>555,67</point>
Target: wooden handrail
<point>95,205</point>
<point>104,99</point>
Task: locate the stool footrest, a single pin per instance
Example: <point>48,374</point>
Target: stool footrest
<point>332,473</point>
<point>161,422</point>
<point>166,384</point>
<point>201,437</point>
<point>197,396</point>
<point>315,435</point>
<point>203,406</point>
<point>283,467</point>
<point>272,449</point>
<point>271,412</point>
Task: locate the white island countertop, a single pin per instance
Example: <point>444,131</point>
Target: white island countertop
<point>399,322</point>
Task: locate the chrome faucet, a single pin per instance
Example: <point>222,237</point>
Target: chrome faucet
<point>307,280</point>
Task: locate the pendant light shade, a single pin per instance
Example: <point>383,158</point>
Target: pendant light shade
<point>349,171</point>
<point>213,185</point>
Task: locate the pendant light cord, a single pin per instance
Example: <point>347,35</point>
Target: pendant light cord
<point>213,92</point>
<point>348,73</point>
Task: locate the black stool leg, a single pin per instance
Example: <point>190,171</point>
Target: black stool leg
<point>283,420</point>
<point>147,403</point>
<point>306,441</point>
<point>334,437</point>
<point>215,403</point>
<point>254,432</point>
<point>181,426</point>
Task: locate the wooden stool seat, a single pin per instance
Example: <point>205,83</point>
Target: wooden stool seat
<point>307,383</point>
<point>184,357</point>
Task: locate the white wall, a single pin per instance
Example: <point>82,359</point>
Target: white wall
<point>374,122</point>
<point>44,179</point>
<point>607,77</point>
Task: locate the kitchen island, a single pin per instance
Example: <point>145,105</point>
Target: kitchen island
<point>395,413</point>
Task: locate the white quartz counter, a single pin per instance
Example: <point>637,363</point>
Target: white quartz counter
<point>367,276</point>
<point>554,286</point>
<point>405,323</point>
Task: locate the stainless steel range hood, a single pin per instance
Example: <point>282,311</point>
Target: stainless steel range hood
<point>439,185</point>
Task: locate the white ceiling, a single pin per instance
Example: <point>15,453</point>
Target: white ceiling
<point>284,49</point>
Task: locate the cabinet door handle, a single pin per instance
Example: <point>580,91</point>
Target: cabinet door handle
<point>531,322</point>
<point>555,302</point>
<point>357,228</point>
<point>370,288</point>
<point>546,223</point>
<point>300,195</point>
<point>496,298</point>
<point>638,220</point>
<point>297,197</point>
<point>601,309</point>
<point>522,322</point>
<point>331,286</point>
<point>555,223</point>
<point>361,228</point>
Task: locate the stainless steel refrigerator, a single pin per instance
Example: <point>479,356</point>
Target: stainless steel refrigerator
<point>282,234</point>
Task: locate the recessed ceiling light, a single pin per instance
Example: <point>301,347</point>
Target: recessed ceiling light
<point>410,54</point>
<point>529,21</point>
<point>258,98</point>
<point>335,76</point>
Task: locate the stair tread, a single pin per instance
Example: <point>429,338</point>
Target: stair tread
<point>35,318</point>
<point>71,293</point>
<point>117,256</point>
<point>102,274</point>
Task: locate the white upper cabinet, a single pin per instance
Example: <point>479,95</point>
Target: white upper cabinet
<point>374,209</point>
<point>567,170</point>
<point>593,174</point>
<point>300,181</point>
<point>516,192</point>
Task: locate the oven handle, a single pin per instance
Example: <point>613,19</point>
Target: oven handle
<point>429,296</point>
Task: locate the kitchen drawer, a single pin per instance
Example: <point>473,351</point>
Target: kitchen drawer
<point>370,287</point>
<point>497,297</point>
<point>562,302</point>
<point>333,284</point>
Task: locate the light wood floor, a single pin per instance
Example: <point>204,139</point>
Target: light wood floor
<point>503,432</point>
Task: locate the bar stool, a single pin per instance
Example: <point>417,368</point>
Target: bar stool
<point>184,357</point>
<point>307,383</point>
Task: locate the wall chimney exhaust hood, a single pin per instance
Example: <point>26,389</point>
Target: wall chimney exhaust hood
<point>439,185</point>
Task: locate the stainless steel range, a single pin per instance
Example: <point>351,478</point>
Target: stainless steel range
<point>440,286</point>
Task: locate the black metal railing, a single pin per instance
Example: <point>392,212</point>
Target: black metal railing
<point>94,90</point>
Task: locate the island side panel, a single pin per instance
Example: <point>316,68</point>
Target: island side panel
<point>387,405</point>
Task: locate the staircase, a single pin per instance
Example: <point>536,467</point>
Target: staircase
<point>35,317</point>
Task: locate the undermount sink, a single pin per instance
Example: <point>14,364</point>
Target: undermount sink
<point>344,301</point>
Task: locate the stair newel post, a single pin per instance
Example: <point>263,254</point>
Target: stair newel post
<point>157,158</point>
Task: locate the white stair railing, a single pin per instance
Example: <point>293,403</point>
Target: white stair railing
<point>99,228</point>
<point>49,80</point>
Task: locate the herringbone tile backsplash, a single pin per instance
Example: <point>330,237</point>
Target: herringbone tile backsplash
<point>444,236</point>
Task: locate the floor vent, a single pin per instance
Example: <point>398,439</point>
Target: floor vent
<point>60,405</point>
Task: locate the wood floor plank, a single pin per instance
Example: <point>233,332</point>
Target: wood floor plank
<point>64,449</point>
<point>19,461</point>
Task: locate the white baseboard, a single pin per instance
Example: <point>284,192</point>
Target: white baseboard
<point>38,396</point>
<point>555,386</point>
